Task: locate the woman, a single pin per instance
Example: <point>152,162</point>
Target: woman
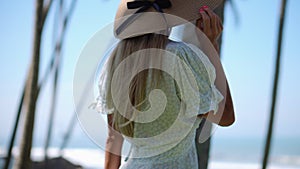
<point>167,139</point>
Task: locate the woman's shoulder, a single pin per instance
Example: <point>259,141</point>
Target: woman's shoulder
<point>192,56</point>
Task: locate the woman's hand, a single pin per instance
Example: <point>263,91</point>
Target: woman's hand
<point>210,24</point>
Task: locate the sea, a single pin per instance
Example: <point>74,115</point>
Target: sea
<point>226,153</point>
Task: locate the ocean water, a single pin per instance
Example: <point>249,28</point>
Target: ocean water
<point>284,151</point>
<point>225,153</point>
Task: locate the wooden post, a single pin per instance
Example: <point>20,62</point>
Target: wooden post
<point>275,85</point>
<point>24,161</point>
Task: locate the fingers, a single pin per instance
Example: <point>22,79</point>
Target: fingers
<point>206,22</point>
<point>209,23</point>
<point>216,22</point>
<point>199,24</point>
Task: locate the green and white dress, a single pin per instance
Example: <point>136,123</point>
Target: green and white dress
<point>168,142</point>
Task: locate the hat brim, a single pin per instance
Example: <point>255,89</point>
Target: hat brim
<point>180,12</point>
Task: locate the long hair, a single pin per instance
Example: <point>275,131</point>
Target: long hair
<point>137,88</point>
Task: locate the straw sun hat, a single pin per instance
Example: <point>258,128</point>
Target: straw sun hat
<point>137,17</point>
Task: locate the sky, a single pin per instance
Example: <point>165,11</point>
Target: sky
<point>248,56</point>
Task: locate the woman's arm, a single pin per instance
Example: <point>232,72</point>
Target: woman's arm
<point>113,147</point>
<point>211,26</point>
<point>226,118</point>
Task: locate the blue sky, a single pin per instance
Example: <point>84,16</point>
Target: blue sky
<point>248,56</point>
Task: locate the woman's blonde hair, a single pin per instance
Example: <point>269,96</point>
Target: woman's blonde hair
<point>137,88</point>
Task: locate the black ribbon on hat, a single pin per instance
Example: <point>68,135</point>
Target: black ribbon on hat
<point>143,5</point>
<point>158,5</point>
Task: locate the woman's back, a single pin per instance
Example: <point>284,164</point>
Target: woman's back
<point>168,141</point>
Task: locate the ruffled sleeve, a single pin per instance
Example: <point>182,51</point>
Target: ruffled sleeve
<point>103,103</point>
<point>204,74</point>
<point>216,96</point>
